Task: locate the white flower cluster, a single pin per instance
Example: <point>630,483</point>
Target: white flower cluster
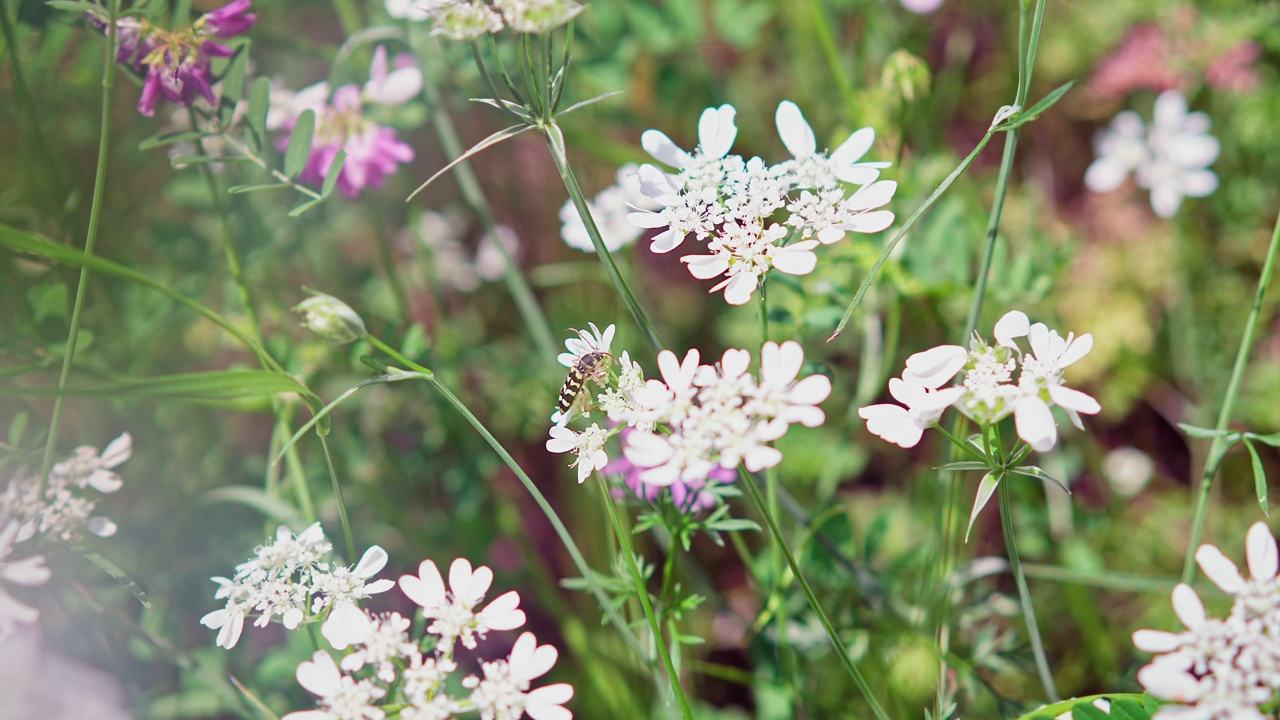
<point>1224,669</point>
<point>473,19</point>
<point>988,392</point>
<point>1171,159</point>
<point>381,655</point>
<point>609,209</point>
<point>59,512</point>
<point>292,578</point>
<point>755,217</point>
<point>715,415</point>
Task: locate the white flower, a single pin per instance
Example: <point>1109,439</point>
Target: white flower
<point>745,252</point>
<point>587,445</point>
<point>585,343</point>
<point>380,641</point>
<point>1041,382</point>
<point>779,396</point>
<point>504,693</point>
<point>817,170</point>
<point>1170,159</point>
<point>348,585</point>
<point>341,697</point>
<point>465,20</point>
<point>716,133</point>
<point>413,9</point>
<point>425,676</point>
<point>537,16</point>
<point>439,707</point>
<point>904,426</point>
<point>29,572</point>
<point>453,611</point>
<point>396,87</point>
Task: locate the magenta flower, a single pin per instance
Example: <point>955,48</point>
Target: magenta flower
<point>177,62</point>
<point>689,496</point>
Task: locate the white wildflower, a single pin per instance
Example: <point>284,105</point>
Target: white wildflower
<point>452,611</point>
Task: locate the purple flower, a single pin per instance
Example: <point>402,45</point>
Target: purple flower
<point>373,151</point>
<point>229,20</point>
<point>690,497</point>
<point>178,62</point>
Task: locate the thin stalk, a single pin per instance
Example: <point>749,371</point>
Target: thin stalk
<point>561,531</point>
<point>1219,445</point>
<point>1024,595</point>
<point>348,15</point>
<point>753,489</point>
<point>831,51</point>
<point>247,153</point>
<point>228,241</point>
<point>337,494</point>
<point>383,240</point>
<point>555,143</point>
<point>673,678</point>
<point>472,194</point>
<point>48,165</point>
<point>91,236</point>
<point>666,595</point>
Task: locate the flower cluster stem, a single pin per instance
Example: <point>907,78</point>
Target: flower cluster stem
<point>753,489</point>
<point>1024,595</point>
<point>1219,445</point>
<point>555,143</point>
<point>642,592</point>
<point>91,235</point>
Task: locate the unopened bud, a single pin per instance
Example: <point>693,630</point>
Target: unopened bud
<point>331,319</point>
<point>905,76</point>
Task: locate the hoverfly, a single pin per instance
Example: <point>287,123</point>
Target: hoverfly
<point>587,367</point>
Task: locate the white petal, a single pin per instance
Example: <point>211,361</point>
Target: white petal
<point>811,390</point>
<point>1166,198</point>
<point>1170,684</point>
<point>1156,641</point>
<point>374,559</point>
<point>716,131</point>
<point>117,452</point>
<point>1014,324</point>
<point>1219,569</point>
<point>1078,348</point>
<point>869,222</point>
<point>647,450</point>
<point>935,366</point>
<point>320,675</point>
<point>29,571</point>
<point>562,440</point>
<point>705,267</point>
<point>1260,550</point>
<point>892,423</point>
<point>1170,109</point>
<point>1035,423</point>
<point>504,613</point>
<point>1187,606</point>
<point>1105,174</point>
<point>665,242</point>
<point>427,587</point>
<point>657,144</point>
<point>346,626</point>
<point>738,289</point>
<point>1199,183</point>
<point>796,259</point>
<point>873,195</point>
<point>101,526</point>
<point>1194,151</point>
<point>647,220</point>
<point>1074,400</point>
<point>853,148</point>
<point>795,133</point>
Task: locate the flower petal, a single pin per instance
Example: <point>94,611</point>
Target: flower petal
<point>794,131</point>
<point>1260,551</point>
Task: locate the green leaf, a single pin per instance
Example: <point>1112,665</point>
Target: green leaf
<point>163,139</point>
<point>1272,439</point>
<point>331,175</point>
<point>1128,708</point>
<point>233,84</point>
<point>494,139</point>
<point>48,300</point>
<point>1032,471</point>
<point>257,499</point>
<point>256,116</point>
<point>305,207</point>
<point>1036,110</point>
<point>75,6</point>
<point>18,429</point>
<point>1087,711</point>
<point>734,525</point>
<point>240,189</point>
<point>1149,703</point>
<point>1208,433</point>
<point>964,465</point>
<point>295,158</point>
<point>211,385</point>
<point>206,159</point>
<point>985,490</point>
<point>1259,476</point>
<point>119,576</point>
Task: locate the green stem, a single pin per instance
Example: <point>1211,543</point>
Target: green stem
<point>1024,595</point>
<point>555,143</point>
<point>1219,445</point>
<point>47,169</point>
<point>666,595</point>
<point>91,236</point>
<point>753,489</point>
<point>561,531</point>
<point>831,51</point>
<point>337,494</point>
<point>473,195</point>
<point>642,592</point>
<point>348,15</point>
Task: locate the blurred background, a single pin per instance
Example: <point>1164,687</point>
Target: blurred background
<point>1165,300</point>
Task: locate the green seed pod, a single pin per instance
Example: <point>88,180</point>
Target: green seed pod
<point>905,76</point>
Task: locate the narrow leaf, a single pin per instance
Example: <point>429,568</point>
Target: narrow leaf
<point>1205,433</point>
<point>295,158</point>
<point>1128,709</point>
<point>1036,110</point>
<point>257,499</point>
<point>332,174</point>
<point>395,377</point>
<point>163,139</point>
<point>212,385</point>
<point>1150,703</point>
<point>964,465</point>
<point>588,101</point>
<point>985,490</point>
<point>256,116</point>
<point>305,207</point>
<point>1272,439</point>
<point>206,159</point>
<point>1088,711</point>
<point>233,84</point>
<point>485,144</point>
<point>1032,471</point>
<point>75,6</point>
<point>1259,476</point>
<point>239,189</point>
<point>120,576</point>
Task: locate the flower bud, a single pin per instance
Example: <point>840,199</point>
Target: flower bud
<point>905,76</point>
<point>331,319</point>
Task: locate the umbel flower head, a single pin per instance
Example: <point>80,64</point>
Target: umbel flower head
<point>1171,158</point>
<point>177,62</point>
<point>756,218</point>
<point>1221,669</point>
<point>292,578</point>
<point>988,392</point>
<point>62,510</point>
<point>473,19</point>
